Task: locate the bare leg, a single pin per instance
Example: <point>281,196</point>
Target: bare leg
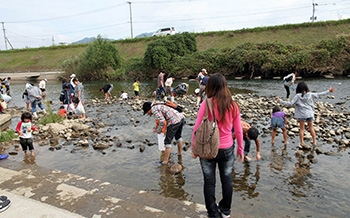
<point>179,148</point>
<point>284,130</point>
<point>166,155</point>
<point>301,131</point>
<point>273,135</point>
<point>198,100</point>
<point>312,131</point>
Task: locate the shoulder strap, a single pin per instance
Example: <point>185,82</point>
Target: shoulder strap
<point>210,107</point>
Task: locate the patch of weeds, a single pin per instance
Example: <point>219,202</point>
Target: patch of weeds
<point>7,136</point>
<point>50,116</point>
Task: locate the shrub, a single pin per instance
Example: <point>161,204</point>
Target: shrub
<point>160,53</point>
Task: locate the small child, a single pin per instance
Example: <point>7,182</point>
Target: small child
<point>62,112</point>
<point>160,136</point>
<point>79,108</point>
<point>278,120</point>
<point>124,95</point>
<point>304,108</point>
<point>24,129</point>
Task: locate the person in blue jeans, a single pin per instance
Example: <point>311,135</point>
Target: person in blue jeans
<point>35,97</point>
<point>227,113</point>
<point>225,162</point>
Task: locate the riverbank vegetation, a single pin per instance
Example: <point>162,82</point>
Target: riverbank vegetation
<point>312,49</point>
<point>7,136</point>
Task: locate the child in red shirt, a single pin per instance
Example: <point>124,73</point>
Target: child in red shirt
<point>62,112</point>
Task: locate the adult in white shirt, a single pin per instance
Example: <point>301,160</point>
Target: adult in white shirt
<point>168,84</point>
<point>42,87</point>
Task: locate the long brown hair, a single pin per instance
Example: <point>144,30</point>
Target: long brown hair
<point>217,88</point>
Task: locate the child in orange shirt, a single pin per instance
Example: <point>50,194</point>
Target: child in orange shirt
<point>160,136</point>
<point>62,112</point>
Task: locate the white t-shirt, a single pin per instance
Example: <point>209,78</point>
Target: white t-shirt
<point>169,81</point>
<point>124,96</point>
<point>42,84</point>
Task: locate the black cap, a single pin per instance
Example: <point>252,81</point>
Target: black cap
<point>146,107</point>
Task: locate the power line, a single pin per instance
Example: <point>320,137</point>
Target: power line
<point>68,16</point>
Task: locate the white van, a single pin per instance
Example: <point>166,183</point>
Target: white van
<point>165,31</point>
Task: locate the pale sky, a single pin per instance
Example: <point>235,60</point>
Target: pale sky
<point>38,23</point>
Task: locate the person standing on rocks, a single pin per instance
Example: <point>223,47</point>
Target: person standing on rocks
<point>42,87</point>
<point>24,129</point>
<point>303,103</point>
<point>78,90</point>
<point>168,83</point>
<point>136,88</point>
<point>35,97</point>
<point>227,113</point>
<point>107,90</point>
<point>174,121</point>
<point>161,83</point>
<point>288,81</point>
<point>7,84</point>
<point>202,80</point>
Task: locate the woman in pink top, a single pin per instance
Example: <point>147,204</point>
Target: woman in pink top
<point>228,115</point>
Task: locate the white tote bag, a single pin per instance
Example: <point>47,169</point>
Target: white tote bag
<point>161,138</point>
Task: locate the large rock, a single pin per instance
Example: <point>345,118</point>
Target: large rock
<point>56,128</point>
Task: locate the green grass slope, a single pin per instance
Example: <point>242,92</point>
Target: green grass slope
<point>52,58</point>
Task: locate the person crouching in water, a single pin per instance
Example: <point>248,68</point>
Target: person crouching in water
<point>174,121</point>
<point>24,129</point>
<point>35,97</point>
<point>79,108</point>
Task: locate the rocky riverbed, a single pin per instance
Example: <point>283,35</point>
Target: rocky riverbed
<point>331,125</point>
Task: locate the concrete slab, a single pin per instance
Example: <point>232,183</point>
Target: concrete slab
<point>4,120</point>
<point>26,207</point>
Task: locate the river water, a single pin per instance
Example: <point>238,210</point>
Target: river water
<point>276,186</point>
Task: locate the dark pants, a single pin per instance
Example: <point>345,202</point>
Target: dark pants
<point>224,160</point>
<point>26,143</point>
<point>287,89</point>
<point>246,146</point>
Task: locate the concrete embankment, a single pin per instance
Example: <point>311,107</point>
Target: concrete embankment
<point>23,76</point>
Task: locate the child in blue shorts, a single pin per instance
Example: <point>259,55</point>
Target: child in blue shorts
<point>278,120</point>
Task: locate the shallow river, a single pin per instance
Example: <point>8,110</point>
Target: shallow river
<point>276,186</point>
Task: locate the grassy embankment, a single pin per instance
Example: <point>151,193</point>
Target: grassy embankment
<point>52,58</point>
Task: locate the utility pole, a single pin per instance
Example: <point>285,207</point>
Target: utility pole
<point>3,29</point>
<point>53,41</point>
<point>132,35</point>
<point>313,18</point>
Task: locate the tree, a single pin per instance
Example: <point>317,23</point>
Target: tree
<point>97,62</point>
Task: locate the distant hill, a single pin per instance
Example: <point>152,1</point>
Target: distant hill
<point>143,35</point>
<point>87,40</point>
